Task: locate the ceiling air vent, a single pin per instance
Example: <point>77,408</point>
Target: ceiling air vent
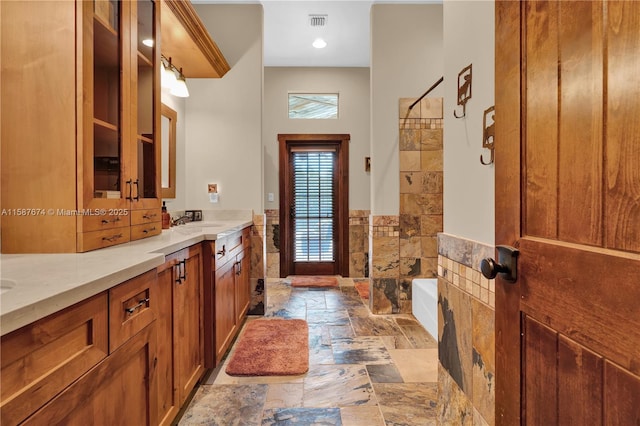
<point>317,20</point>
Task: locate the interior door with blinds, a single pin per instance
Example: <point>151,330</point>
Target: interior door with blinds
<point>313,205</point>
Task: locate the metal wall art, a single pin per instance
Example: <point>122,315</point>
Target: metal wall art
<point>488,133</point>
<point>464,89</point>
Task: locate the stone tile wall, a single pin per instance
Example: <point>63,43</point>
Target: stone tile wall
<point>272,242</point>
<point>409,250</point>
<point>358,243</point>
<point>258,267</point>
<point>466,334</point>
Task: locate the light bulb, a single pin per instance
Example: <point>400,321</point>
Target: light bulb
<point>168,77</point>
<point>319,43</point>
<point>180,89</point>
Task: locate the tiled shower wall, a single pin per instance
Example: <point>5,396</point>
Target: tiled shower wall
<point>358,243</point>
<point>404,247</point>
<point>466,334</point>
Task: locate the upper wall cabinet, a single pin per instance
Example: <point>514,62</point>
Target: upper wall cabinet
<point>81,124</point>
<point>186,41</point>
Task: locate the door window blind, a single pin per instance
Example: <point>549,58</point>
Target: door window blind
<point>313,206</point>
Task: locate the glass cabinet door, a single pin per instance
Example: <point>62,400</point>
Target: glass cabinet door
<point>107,100</point>
<point>147,134</point>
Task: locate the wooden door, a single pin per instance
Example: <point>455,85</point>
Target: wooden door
<point>314,204</point>
<point>568,196</point>
<point>225,308</point>
<point>168,404</point>
<point>187,322</point>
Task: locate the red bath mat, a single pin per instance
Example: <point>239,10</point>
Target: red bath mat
<point>313,281</point>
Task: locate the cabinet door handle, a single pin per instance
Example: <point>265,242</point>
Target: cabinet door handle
<point>239,267</point>
<point>184,270</point>
<point>222,251</point>
<point>176,272</point>
<point>137,184</point>
<point>181,270</point>
<point>129,183</point>
<point>140,304</point>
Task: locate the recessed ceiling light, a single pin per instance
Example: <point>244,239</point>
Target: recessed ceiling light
<point>148,42</point>
<point>319,43</point>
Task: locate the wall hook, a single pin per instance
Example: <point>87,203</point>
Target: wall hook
<point>488,133</point>
<point>464,89</point>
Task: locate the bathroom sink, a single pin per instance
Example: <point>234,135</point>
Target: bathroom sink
<point>187,230</point>
<point>6,285</point>
<point>201,224</point>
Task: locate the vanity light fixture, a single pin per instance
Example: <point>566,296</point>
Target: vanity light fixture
<point>180,88</point>
<point>173,79</point>
<point>319,43</point>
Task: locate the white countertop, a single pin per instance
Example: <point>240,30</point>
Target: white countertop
<point>36,285</point>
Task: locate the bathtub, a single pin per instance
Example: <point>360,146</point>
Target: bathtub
<point>424,303</point>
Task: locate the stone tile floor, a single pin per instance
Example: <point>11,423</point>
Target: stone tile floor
<point>364,369</point>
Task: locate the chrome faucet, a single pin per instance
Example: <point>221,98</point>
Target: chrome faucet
<point>181,220</point>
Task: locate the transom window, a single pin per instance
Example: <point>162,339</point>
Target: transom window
<point>313,105</point>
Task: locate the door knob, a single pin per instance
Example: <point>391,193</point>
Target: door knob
<point>506,266</point>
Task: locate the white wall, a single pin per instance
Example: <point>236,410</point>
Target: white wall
<point>224,116</point>
<point>468,186</point>
<point>406,59</point>
<point>352,85</point>
<point>178,105</point>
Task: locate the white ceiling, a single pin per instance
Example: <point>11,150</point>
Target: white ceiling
<point>288,34</point>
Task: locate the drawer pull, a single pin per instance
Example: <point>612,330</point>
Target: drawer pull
<point>115,219</point>
<point>149,216</point>
<point>112,238</point>
<point>146,231</point>
<point>140,304</point>
<point>222,251</point>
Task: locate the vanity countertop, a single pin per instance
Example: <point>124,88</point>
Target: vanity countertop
<point>35,285</point>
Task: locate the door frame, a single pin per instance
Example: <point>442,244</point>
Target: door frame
<point>342,197</point>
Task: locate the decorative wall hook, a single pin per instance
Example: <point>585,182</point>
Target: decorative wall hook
<point>464,89</point>
<point>488,133</point>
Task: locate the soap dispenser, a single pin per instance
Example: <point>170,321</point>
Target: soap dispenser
<point>166,217</point>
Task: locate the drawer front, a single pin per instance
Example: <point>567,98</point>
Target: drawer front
<point>220,252</point>
<point>132,306</point>
<point>145,230</point>
<point>101,222</point>
<point>139,217</point>
<point>100,239</point>
<point>41,359</point>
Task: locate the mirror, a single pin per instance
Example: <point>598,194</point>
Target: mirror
<point>168,151</point>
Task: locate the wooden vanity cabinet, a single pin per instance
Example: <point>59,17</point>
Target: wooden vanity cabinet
<point>91,363</point>
<point>43,358</point>
<point>121,389</point>
<point>227,292</point>
<point>180,330</point>
<point>80,157</point>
